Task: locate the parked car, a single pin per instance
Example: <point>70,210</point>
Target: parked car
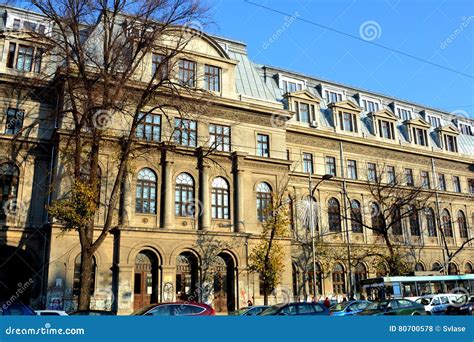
<point>438,303</point>
<point>92,313</point>
<point>462,306</point>
<point>296,309</point>
<point>175,309</point>
<point>249,311</point>
<point>51,313</point>
<point>348,308</point>
<point>397,307</point>
<point>15,309</point>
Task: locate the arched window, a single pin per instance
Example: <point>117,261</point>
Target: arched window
<point>430,222</point>
<point>419,267</point>
<point>414,222</point>
<point>468,269</point>
<point>452,269</point>
<point>318,281</point>
<point>436,266</point>
<point>356,217</point>
<point>145,194</point>
<point>446,223</point>
<point>77,276</point>
<point>338,279</point>
<point>334,215</point>
<point>462,225</point>
<point>264,201</point>
<point>220,199</point>
<point>184,195</point>
<point>8,187</point>
<point>360,274</point>
<point>377,218</point>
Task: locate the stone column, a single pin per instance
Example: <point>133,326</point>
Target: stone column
<point>167,198</point>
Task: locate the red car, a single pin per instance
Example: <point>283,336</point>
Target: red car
<point>175,309</point>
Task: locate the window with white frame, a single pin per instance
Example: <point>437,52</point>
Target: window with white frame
<point>435,121</point>
<point>332,96</point>
<point>404,114</point>
<point>290,85</point>
<point>370,105</point>
<point>465,129</point>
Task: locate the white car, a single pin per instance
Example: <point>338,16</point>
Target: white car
<point>438,303</point>
<point>51,313</point>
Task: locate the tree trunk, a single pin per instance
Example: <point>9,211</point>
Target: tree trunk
<point>265,292</point>
<point>85,280</point>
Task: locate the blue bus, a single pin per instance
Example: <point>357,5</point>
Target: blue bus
<point>412,287</point>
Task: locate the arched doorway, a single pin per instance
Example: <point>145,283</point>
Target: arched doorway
<point>16,270</point>
<point>146,279</point>
<point>186,277</point>
<point>223,276</point>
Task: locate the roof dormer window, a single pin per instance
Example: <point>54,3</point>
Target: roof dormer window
<point>404,114</point>
<point>435,121</point>
<point>465,129</point>
<point>450,143</point>
<point>333,96</point>
<point>420,136</point>
<point>290,85</point>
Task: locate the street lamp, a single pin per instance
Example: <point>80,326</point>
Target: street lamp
<point>311,221</point>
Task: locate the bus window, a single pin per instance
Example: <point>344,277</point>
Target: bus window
<point>396,290</point>
<point>450,284</point>
<point>436,287</point>
<point>423,288</point>
<point>409,289</point>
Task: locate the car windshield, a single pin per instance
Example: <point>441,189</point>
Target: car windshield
<point>142,311</point>
<point>240,311</point>
<point>423,301</point>
<point>272,310</point>
<point>377,305</point>
<point>339,306</point>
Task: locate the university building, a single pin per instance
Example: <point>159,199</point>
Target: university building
<point>274,127</point>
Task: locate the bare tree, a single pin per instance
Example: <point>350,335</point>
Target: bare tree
<point>96,57</point>
<point>393,201</point>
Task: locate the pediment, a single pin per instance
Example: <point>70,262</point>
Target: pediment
<point>449,129</point>
<point>418,122</point>
<point>302,95</point>
<point>384,114</point>
<point>347,105</point>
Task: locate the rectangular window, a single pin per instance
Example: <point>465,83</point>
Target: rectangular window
<point>391,176</point>
<point>370,106</point>
<point>471,186</point>
<point>352,169</point>
<point>441,182</point>
<point>11,55</point>
<point>308,163</point>
<point>425,179</point>
<point>332,96</point>
<point>187,73</point>
<point>404,114</point>
<point>409,177</point>
<point>219,137</point>
<point>14,121</point>
<point>16,24</point>
<point>263,145</point>
<point>420,136</point>
<point>303,112</point>
<point>24,60</point>
<point>465,129</point>
<point>371,172</point>
<point>38,60</point>
<point>456,184</point>
<point>348,122</point>
<point>331,166</point>
<point>149,127</point>
<point>434,121</point>
<point>212,77</point>
<point>450,143</point>
<point>290,87</point>
<point>159,68</point>
<point>386,129</point>
<point>185,132</point>
<point>28,25</point>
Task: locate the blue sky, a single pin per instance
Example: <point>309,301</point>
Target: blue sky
<point>417,27</point>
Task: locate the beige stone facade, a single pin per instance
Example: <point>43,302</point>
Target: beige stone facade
<point>161,256</point>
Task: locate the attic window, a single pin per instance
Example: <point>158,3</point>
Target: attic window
<point>370,106</point>
<point>466,129</point>
<point>435,121</point>
<point>290,85</point>
<point>450,143</point>
<point>404,114</point>
<point>420,137</point>
<point>333,96</point>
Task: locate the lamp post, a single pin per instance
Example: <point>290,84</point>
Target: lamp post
<point>311,221</point>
